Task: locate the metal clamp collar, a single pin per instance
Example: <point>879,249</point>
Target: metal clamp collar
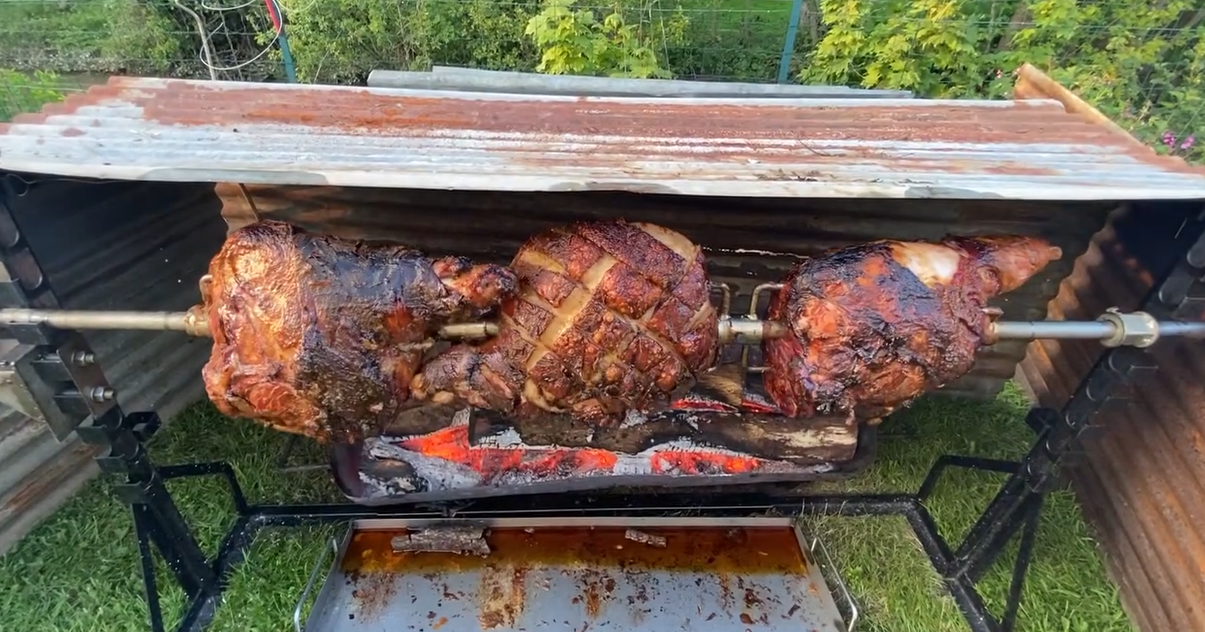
<point>1134,329</point>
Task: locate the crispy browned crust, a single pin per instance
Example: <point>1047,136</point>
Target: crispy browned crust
<point>306,328</point>
<point>610,316</point>
<point>869,334</point>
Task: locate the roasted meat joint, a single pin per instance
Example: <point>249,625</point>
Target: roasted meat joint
<point>602,350</point>
<point>610,317</point>
<point>318,336</point>
<point>875,325</point>
<point>592,321</point>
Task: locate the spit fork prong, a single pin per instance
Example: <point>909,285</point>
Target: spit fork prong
<point>754,301</point>
<point>725,298</point>
<point>755,297</point>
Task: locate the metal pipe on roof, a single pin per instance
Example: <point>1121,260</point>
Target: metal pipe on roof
<point>501,81</point>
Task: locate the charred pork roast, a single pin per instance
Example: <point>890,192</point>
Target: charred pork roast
<point>312,334</point>
<point>875,325</point>
<point>610,316</point>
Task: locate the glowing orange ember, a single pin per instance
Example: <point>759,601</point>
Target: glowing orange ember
<point>544,462</point>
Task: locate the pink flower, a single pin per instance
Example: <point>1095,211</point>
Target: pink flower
<point>1188,142</point>
<point>1169,139</point>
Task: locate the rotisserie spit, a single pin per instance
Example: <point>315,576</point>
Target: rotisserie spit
<point>597,352</point>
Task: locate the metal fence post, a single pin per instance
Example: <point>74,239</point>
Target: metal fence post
<point>788,43</point>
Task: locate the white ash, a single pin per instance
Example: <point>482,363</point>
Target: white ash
<point>440,474</point>
<point>686,445</point>
<point>462,417</point>
<point>508,438</point>
<point>376,488</point>
<point>759,400</point>
<point>633,418</point>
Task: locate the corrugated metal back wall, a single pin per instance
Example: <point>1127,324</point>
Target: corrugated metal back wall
<point>120,245</point>
<point>1141,477</point>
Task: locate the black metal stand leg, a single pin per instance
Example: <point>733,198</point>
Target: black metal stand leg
<point>1013,507</point>
<point>146,492</point>
<point>1021,567</point>
<point>52,374</point>
<point>150,586</point>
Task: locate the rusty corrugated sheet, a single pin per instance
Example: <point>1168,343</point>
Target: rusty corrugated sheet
<point>107,246</point>
<point>748,240</point>
<point>155,129</point>
<point>1141,478</point>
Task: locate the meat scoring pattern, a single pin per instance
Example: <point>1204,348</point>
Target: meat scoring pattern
<point>610,316</point>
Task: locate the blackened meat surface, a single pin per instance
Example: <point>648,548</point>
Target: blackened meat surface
<point>611,316</point>
<point>875,325</point>
<point>310,331</point>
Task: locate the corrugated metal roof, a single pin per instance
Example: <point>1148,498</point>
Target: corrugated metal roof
<point>168,130</point>
<point>108,246</point>
<point>1141,475</point>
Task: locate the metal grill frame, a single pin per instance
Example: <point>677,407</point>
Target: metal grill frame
<point>1015,510</point>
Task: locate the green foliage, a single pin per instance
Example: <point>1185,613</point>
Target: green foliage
<point>142,38</point>
<point>91,36</point>
<point>573,41</point>
<point>21,92</point>
<point>342,40</point>
<point>1142,66</point>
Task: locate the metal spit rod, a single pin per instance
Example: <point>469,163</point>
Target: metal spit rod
<point>1113,328</point>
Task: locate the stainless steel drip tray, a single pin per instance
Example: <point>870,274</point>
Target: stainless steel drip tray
<point>573,574</point>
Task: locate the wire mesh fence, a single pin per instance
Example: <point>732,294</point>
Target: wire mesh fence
<point>1143,66</point>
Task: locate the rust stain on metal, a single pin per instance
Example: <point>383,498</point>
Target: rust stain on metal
<point>1035,84</point>
<point>502,595</point>
<point>593,558</point>
<point>597,587</point>
<point>365,111</point>
<point>697,549</point>
<point>900,147</point>
<point>373,592</point>
<point>1141,479</point>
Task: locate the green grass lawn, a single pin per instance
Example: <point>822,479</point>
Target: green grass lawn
<point>79,571</point>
